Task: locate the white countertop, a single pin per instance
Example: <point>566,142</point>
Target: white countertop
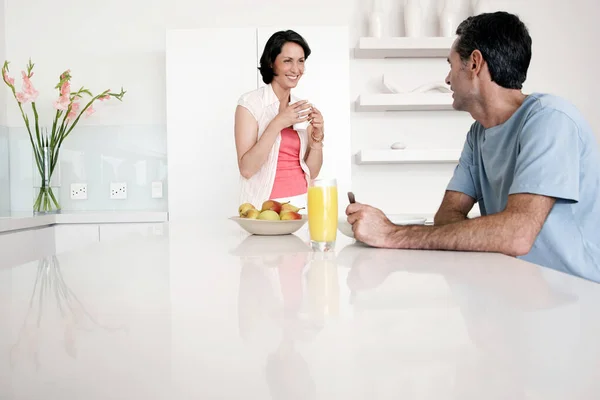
<point>207,312</point>
<point>28,221</point>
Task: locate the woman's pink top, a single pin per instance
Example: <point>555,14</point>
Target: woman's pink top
<point>289,177</point>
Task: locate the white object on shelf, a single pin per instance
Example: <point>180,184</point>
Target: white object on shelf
<point>399,47</point>
<point>392,86</point>
<point>413,18</point>
<point>449,18</point>
<point>435,86</point>
<point>482,6</point>
<point>439,87</point>
<point>376,20</point>
<point>405,102</point>
<point>423,156</point>
<point>398,146</point>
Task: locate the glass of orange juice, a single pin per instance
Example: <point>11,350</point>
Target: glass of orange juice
<point>322,213</point>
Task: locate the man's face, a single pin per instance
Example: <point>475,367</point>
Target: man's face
<point>461,82</point>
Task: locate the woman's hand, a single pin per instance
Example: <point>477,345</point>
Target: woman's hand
<point>316,128</point>
<point>293,113</point>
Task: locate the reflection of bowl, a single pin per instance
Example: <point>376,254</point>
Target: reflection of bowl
<point>259,246</point>
<point>264,227</point>
<point>396,219</point>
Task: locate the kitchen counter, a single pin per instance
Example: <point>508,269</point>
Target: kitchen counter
<point>29,221</point>
<point>207,312</point>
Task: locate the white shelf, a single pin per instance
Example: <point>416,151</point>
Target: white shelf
<point>405,102</point>
<point>403,47</point>
<point>417,156</point>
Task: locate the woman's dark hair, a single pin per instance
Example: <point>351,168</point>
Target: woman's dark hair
<point>504,42</point>
<point>273,48</point>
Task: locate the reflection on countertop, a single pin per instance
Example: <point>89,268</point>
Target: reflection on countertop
<point>206,311</point>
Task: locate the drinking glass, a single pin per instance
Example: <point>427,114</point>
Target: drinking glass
<point>322,213</point>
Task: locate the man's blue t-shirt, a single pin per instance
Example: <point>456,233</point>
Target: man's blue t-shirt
<point>546,147</point>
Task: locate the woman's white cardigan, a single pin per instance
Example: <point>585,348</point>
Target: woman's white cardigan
<point>263,104</point>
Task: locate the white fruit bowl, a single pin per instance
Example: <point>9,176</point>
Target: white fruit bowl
<point>265,227</point>
<point>397,219</point>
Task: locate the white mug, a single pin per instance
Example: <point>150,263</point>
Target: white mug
<point>304,124</point>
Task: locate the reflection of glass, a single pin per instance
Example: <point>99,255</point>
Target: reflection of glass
<point>323,286</point>
<point>50,286</point>
<point>323,213</point>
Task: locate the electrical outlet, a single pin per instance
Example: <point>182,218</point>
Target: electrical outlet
<point>118,190</point>
<point>78,191</point>
<point>157,190</point>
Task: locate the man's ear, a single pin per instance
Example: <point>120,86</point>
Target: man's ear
<point>475,62</point>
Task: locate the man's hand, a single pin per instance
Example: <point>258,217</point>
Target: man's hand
<point>370,225</point>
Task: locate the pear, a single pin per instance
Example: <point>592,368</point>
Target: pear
<point>251,214</point>
<point>272,205</point>
<point>268,215</point>
<point>289,215</point>
<point>289,207</point>
<point>244,208</point>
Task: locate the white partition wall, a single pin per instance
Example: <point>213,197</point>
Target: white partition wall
<point>207,71</point>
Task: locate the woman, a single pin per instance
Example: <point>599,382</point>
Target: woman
<point>278,138</point>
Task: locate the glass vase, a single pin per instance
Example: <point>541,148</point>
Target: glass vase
<point>46,184</point>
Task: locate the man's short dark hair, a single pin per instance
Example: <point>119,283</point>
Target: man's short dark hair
<point>504,42</point>
<point>273,48</point>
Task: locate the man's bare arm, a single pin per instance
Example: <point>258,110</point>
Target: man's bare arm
<point>454,208</point>
<point>512,231</point>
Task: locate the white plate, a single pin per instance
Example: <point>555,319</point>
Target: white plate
<point>264,227</point>
<point>346,228</point>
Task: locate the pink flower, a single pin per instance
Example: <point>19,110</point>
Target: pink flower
<point>74,110</point>
<point>28,86</point>
<point>21,97</point>
<point>29,93</point>
<point>102,98</point>
<point>11,81</point>
<point>90,110</point>
<point>62,103</point>
<point>65,89</point>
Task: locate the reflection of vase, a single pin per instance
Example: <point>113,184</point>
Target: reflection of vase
<point>376,20</point>
<point>49,289</point>
<point>413,23</point>
<point>47,177</point>
<point>449,18</point>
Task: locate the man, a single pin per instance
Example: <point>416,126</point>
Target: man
<point>530,161</point>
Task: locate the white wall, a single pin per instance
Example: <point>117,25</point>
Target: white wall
<point>122,42</point>
<point>4,153</point>
<point>106,45</point>
<point>563,61</point>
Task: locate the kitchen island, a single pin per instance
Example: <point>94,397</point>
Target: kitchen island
<point>200,312</point>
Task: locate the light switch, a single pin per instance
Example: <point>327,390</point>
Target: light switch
<point>157,190</point>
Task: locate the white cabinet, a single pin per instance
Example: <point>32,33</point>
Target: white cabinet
<point>109,232</point>
<point>71,237</point>
<point>26,245</point>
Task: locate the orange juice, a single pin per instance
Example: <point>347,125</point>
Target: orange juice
<point>322,212</point>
